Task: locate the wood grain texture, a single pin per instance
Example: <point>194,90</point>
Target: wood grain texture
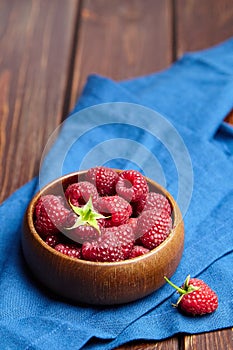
<point>219,340</point>
<point>122,39</point>
<point>229,118</point>
<point>35,47</point>
<point>200,24</point>
<point>169,344</point>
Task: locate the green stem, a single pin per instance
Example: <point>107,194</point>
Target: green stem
<point>180,290</point>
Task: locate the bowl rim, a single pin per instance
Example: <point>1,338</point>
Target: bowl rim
<point>31,208</point>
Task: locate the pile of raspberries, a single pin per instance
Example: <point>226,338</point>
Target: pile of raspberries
<point>109,216</point>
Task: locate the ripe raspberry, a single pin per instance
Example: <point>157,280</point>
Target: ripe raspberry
<point>138,206</point>
<point>125,237</point>
<point>104,179</point>
<point>153,228</point>
<point>114,244</point>
<point>82,223</point>
<point>52,240</point>
<point>80,192</point>
<point>50,215</point>
<point>69,249</point>
<point>116,207</point>
<point>84,233</point>
<point>105,249</point>
<point>196,297</point>
<point>133,223</point>
<point>131,185</point>
<point>137,251</point>
<point>158,202</point>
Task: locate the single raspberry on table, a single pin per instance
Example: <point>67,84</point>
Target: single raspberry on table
<point>138,250</point>
<point>116,210</point>
<point>69,249</point>
<point>153,228</point>
<point>104,179</point>
<point>79,193</point>
<point>50,215</point>
<point>114,244</point>
<point>132,185</point>
<point>196,297</point>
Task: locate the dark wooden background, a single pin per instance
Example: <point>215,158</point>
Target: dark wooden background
<point>47,49</point>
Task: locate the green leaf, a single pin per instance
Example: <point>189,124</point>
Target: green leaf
<point>87,215</point>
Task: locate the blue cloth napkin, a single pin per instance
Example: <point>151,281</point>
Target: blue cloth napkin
<point>170,125</point>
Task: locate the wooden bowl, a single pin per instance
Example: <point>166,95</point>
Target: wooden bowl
<point>101,283</point>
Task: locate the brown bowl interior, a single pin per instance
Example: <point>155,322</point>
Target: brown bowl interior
<point>96,282</point>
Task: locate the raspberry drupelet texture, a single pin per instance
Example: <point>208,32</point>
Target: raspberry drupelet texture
<point>51,215</point>
<point>84,233</point>
<point>125,237</point>
<point>138,250</point>
<point>153,228</point>
<point>69,249</point>
<point>158,202</point>
<point>115,208</point>
<point>132,185</point>
<point>79,193</point>
<point>104,179</point>
<point>52,240</point>
<point>114,244</point>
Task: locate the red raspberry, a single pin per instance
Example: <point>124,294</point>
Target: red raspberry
<point>47,198</point>
<point>137,251</point>
<point>104,179</point>
<point>138,206</point>
<point>131,185</point>
<point>158,202</point>
<point>114,244</point>
<point>116,207</point>
<point>125,237</point>
<point>153,228</point>
<point>133,223</point>
<point>196,297</point>
<point>80,192</point>
<point>50,215</point>
<point>105,249</point>
<point>52,240</point>
<point>83,223</point>
<point>84,233</point>
<point>69,249</point>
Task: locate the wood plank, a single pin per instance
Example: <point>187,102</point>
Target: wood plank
<point>229,118</point>
<point>221,340</point>
<point>122,39</point>
<point>33,78</point>
<point>169,344</point>
<point>200,24</point>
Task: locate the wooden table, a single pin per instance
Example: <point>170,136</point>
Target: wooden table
<point>47,49</point>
